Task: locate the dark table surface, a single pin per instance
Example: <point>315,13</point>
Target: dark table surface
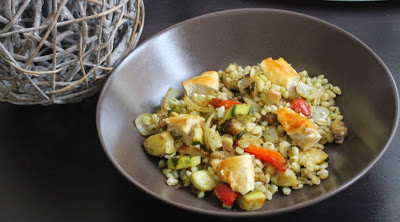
<point>53,167</point>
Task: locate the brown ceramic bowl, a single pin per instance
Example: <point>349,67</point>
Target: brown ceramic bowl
<point>247,36</point>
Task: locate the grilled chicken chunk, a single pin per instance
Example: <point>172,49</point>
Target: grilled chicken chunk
<point>273,96</point>
<point>281,73</point>
<point>184,125</point>
<point>238,172</point>
<point>299,128</point>
<point>206,82</point>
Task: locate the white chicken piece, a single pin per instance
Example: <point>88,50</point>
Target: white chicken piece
<point>238,172</point>
<point>281,73</point>
<point>273,96</point>
<point>183,125</point>
<point>206,82</point>
<point>300,129</point>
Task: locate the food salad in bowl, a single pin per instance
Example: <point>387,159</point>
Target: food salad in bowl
<point>247,112</point>
<point>245,133</point>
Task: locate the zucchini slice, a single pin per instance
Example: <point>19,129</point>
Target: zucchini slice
<point>253,200</point>
<point>180,162</point>
<point>203,180</point>
<point>237,110</point>
<point>198,136</point>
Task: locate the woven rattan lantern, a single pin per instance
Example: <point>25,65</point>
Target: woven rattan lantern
<point>61,51</point>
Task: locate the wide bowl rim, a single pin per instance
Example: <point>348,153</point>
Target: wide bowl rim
<point>253,213</point>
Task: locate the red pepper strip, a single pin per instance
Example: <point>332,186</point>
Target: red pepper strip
<point>219,102</point>
<point>270,156</point>
<point>225,193</point>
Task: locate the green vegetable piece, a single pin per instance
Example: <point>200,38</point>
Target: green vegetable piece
<point>198,136</point>
<point>180,162</point>
<point>242,109</point>
<point>203,180</point>
<point>240,134</point>
<point>253,200</point>
<point>237,110</point>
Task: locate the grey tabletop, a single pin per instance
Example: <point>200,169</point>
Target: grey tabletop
<point>53,168</point>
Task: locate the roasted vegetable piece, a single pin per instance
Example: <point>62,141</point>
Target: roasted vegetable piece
<point>339,131</point>
<point>203,180</point>
<point>270,134</point>
<point>225,193</point>
<point>219,102</point>
<point>171,94</point>
<point>237,110</point>
<point>286,179</point>
<point>180,162</point>
<point>273,157</point>
<point>212,138</point>
<point>221,155</point>
<point>316,156</point>
<point>161,122</point>
<point>198,135</point>
<point>159,144</point>
<point>320,113</point>
<point>299,105</point>
<point>253,200</point>
<point>247,85</point>
<point>193,151</point>
<point>309,92</point>
<point>251,89</point>
<point>232,127</point>
<point>141,126</point>
<point>271,119</point>
<point>238,136</point>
